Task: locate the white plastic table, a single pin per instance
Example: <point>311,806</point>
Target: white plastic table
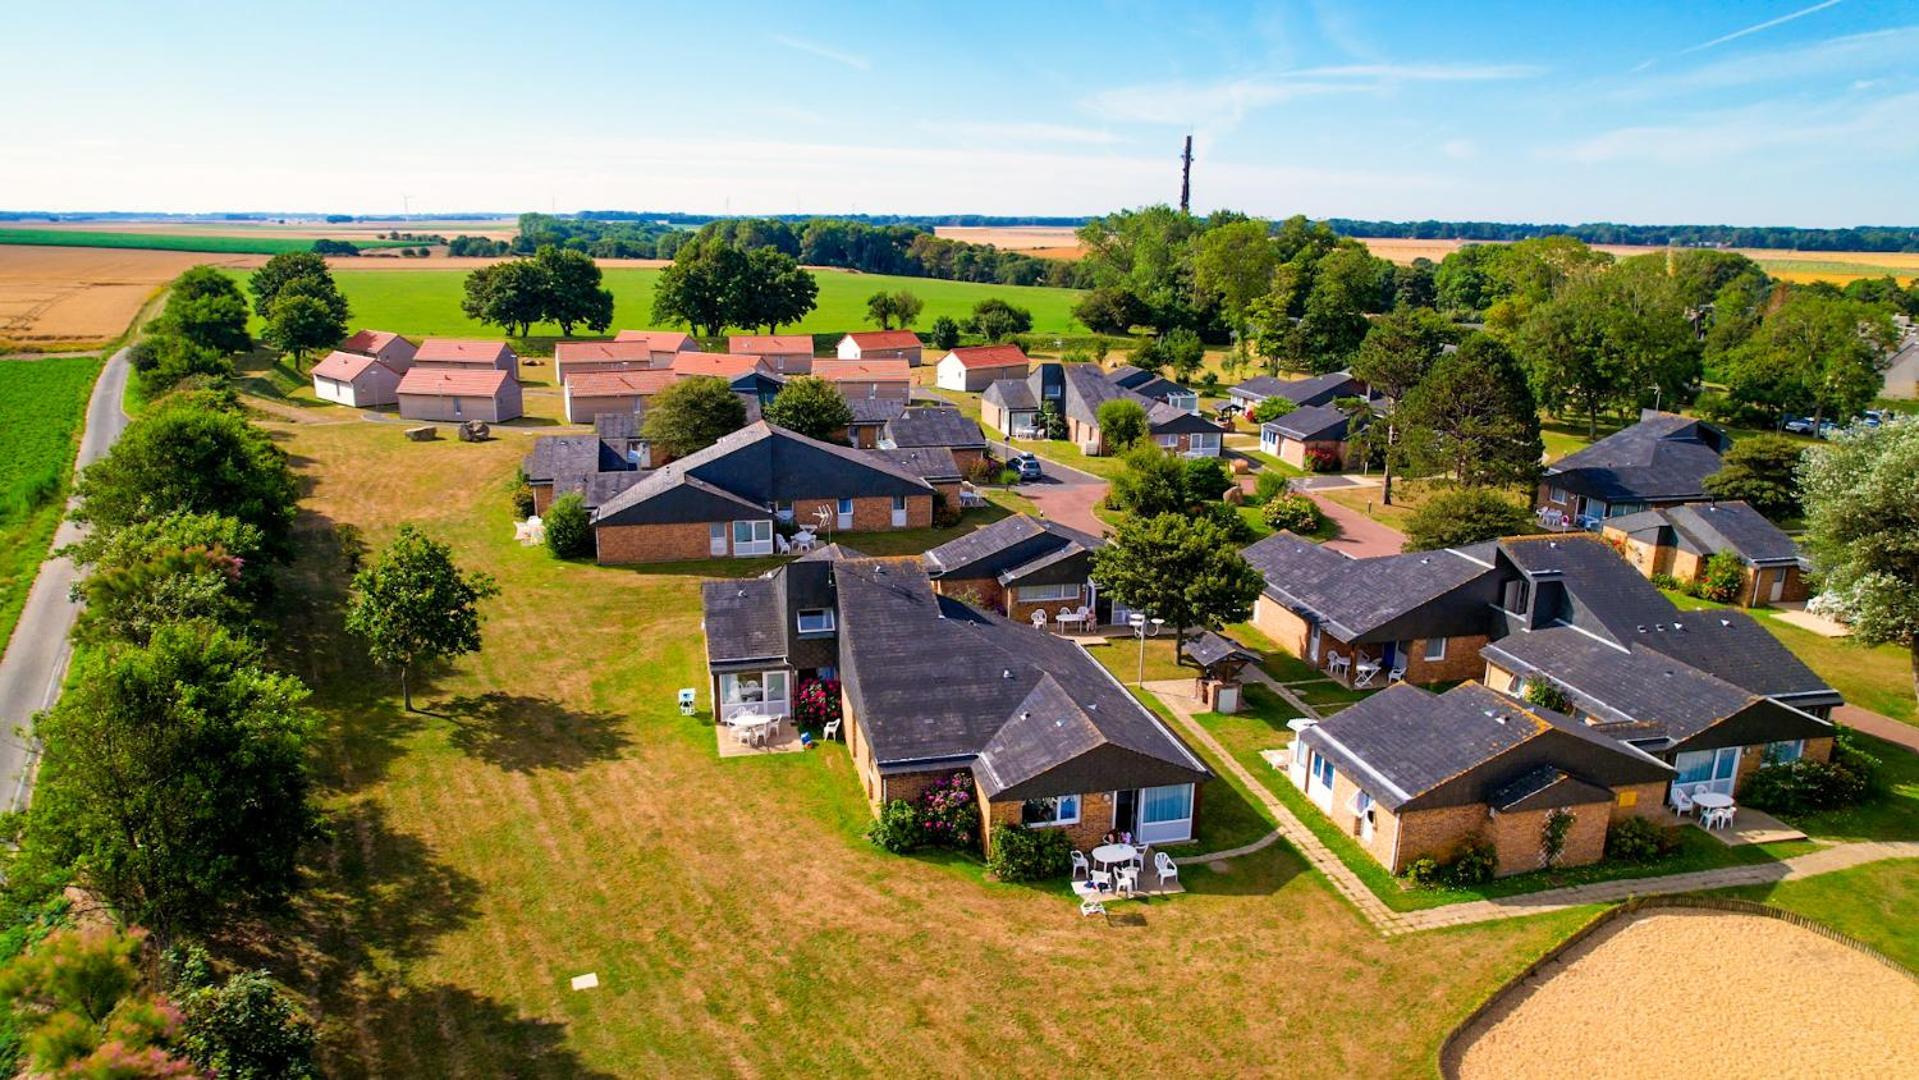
<point>1712,800</point>
<point>1114,854</point>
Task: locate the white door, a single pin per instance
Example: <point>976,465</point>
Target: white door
<point>1778,585</point>
<point>716,539</point>
<point>845,515</point>
<point>1312,644</point>
<point>899,511</point>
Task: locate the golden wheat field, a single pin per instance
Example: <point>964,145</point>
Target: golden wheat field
<point>79,296</point>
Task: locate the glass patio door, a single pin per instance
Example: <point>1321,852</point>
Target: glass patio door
<point>1707,770</point>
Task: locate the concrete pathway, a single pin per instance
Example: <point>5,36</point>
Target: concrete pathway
<point>35,662</point>
<point>1879,727</point>
<point>1176,694</point>
<point>1359,536</point>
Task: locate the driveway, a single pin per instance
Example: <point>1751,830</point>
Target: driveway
<point>35,662</point>
<point>1063,493</point>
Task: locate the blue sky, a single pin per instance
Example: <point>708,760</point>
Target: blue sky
<point>1799,112</point>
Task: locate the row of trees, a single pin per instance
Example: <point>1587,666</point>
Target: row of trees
<point>908,250</point>
<point>555,285</point>
<point>714,285</point>
<point>1859,238</point>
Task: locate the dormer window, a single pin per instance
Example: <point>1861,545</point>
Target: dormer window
<point>816,620</point>
<point>1518,596</point>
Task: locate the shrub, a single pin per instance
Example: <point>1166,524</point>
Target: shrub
<point>1667,582</point>
<point>949,812</point>
<point>1023,854</point>
<point>1122,421</point>
<point>946,332</point>
<point>897,829</point>
<point>1461,516</point>
<point>1007,476</point>
<point>1322,460</point>
<point>1472,864</point>
<point>817,704</point>
<point>522,502</point>
<point>1547,694</point>
<point>1205,479</point>
<point>1638,840</point>
<point>982,470</point>
<point>1269,486</point>
<point>1723,577</point>
<point>1424,873</point>
<point>569,532</point>
<point>1292,511</point>
<point>1805,787</point>
<point>1272,409</point>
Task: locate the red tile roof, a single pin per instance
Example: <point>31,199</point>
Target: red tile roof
<point>344,366</point>
<point>660,340</point>
<point>983,356</point>
<point>766,344</point>
<point>459,351</point>
<point>602,350</point>
<point>886,339</point>
<point>450,382</point>
<point>863,370</point>
<point>619,383</point>
<point>368,341</point>
<point>724,365</point>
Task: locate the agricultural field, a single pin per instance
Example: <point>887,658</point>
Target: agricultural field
<point>63,298</point>
<point>42,403</point>
<point>1837,267</point>
<point>1043,241</point>
<point>156,241</point>
<point>427,302</point>
<point>547,817</point>
<point>288,229</point>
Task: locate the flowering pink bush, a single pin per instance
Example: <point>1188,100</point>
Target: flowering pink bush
<point>817,704</point>
<point>1322,459</point>
<point>949,812</point>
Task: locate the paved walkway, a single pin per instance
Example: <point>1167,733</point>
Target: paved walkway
<point>1879,727</point>
<point>1064,494</point>
<point>1176,694</point>
<point>1359,536</point>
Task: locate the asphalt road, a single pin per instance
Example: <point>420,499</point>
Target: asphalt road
<point>1063,493</point>
<point>35,662</point>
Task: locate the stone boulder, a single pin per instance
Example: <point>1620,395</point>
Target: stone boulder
<point>427,433</point>
<point>475,431</point>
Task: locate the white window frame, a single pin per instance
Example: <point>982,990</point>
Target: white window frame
<point>1060,805</point>
<point>1044,594</point>
<point>1318,789</point>
<point>759,538</point>
<point>899,511</point>
<point>1200,442</point>
<point>1556,495</point>
<point>717,535</point>
<point>735,696</point>
<point>843,513</point>
<point>1169,442</point>
<point>1784,751</point>
<point>1429,653</point>
<point>1165,830</point>
<point>824,626</point>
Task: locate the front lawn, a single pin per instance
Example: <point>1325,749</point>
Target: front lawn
<point>1876,677</point>
<point>1890,812</point>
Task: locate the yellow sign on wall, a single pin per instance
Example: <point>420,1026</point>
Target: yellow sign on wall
<point>1629,797</point>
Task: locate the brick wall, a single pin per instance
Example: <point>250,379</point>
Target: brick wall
<point>618,544</point>
<point>1645,557</point>
<point>1462,661</point>
<point>1795,590</point>
<point>983,592</point>
<point>1438,833</point>
<point>1385,825</point>
<point>966,459</point>
<point>1287,630</point>
<point>869,514</point>
<point>1641,800</point>
<point>1095,819</point>
<point>1519,838</point>
<point>1023,612</point>
<point>542,497</point>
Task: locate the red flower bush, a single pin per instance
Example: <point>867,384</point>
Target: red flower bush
<point>817,704</point>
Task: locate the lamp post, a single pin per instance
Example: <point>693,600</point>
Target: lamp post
<point>1139,623</point>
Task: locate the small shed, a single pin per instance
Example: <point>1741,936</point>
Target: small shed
<point>1221,660</point>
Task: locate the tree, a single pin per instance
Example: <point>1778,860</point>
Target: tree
<point>1472,415</point>
<point>1861,493</point>
<point>297,324</point>
<point>129,603</point>
<point>1111,311</point>
<point>946,333</point>
<point>246,1028</point>
<point>996,320</point>
<point>1183,351</point>
<point>1152,483</point>
<point>412,605</point>
<point>166,360</point>
<point>1273,408</point>
<point>76,997</point>
<point>1607,340</point>
<point>1761,469</point>
<point>1233,265</point>
<point>811,406</point>
<point>205,307</point>
<point>1465,515</point>
<point>1122,421</point>
<point>510,295</point>
<point>1186,570</point>
<point>698,289</point>
<point>178,458</point>
<point>1396,354</point>
<point>176,778</point>
<point>281,270</point>
<point>573,292</point>
<point>1205,479</point>
<point>1816,353</point>
<point>568,526</point>
<point>773,290</point>
<point>884,309</point>
<point>690,415</point>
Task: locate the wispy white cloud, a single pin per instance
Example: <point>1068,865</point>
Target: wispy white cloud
<point>1022,132</point>
<point>1758,27</point>
<point>1851,56</point>
<point>1880,128</point>
<point>1222,104</point>
<point>852,60</point>
<point>1424,72</point>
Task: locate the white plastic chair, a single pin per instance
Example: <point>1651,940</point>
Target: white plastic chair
<point>1165,867</point>
<point>1126,880</point>
<point>687,695</point>
<point>1039,618</point>
<point>1681,802</point>
<point>1397,674</point>
<point>782,544</point>
<point>1081,866</point>
<point>1102,880</point>
<point>831,730</point>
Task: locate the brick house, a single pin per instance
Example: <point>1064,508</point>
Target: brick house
<point>1019,565</point>
<point>662,345</point>
<point>881,345</point>
<point>1678,540</point>
<point>1013,406</point>
<point>598,466</point>
<point>1305,435</point>
<point>870,415</point>
<point>724,500</point>
<point>784,354</point>
<point>1662,460</point>
<point>455,393</point>
<point>355,379</point>
<point>974,368</point>
<point>458,354</point>
<point>587,394</point>
<point>931,688</point>
<point>936,425</point>
<point>1412,774</point>
<point>385,346</point>
<point>573,357</point>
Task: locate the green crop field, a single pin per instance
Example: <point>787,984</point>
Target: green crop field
<point>41,403</point>
<point>425,302</point>
<point>222,245</point>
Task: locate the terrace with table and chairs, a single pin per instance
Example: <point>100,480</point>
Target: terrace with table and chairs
<point>1723,819</point>
<point>1122,870</point>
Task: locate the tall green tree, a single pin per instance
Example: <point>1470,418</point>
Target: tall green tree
<point>996,320</point>
<point>1152,483</point>
<point>1186,570</point>
<point>298,323</point>
<point>811,406</point>
<point>883,309</point>
<point>1398,350</point>
<point>1183,351</point>
<point>1607,341</point>
<point>1472,415</point>
<point>1122,422</point>
<point>412,605</point>
<point>1861,493</point>
<point>282,269</point>
<point>1233,266</point>
<point>690,415</point>
<point>510,295</point>
<point>698,289</point>
<point>774,290</point>
<point>1763,471</point>
<point>205,307</point>
<point>176,779</point>
<point>1815,353</point>
<point>574,295</point>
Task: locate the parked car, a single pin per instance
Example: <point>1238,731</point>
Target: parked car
<point>1799,425</point>
<point>1027,466</point>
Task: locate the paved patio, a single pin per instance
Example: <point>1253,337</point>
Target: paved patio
<point>786,742</point>
<point>1754,826</point>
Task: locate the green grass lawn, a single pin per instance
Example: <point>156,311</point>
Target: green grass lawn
<point>421,303</point>
<point>1878,903</point>
<point>43,404</point>
<point>1891,812</point>
<point>224,245</point>
<point>551,814</point>
<point>1877,677</point>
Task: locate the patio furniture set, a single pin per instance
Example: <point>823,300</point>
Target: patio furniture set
<point>752,729</point>
<point>1081,618</point>
<point>1361,672</point>
<point>804,540</point>
<point>1114,871</point>
<point>1716,809</point>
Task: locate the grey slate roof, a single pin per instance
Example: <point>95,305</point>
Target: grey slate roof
<point>1734,526</point>
<point>1156,387</point>
<point>593,465</point>
<point>1003,545</point>
<point>875,410</point>
<point>743,620</point>
<point>1355,597</point>
<point>1411,748</point>
<point>751,469</point>
<point>1313,423</point>
<point>934,464</point>
<point>1210,648</point>
<point>1544,787</point>
<point>1662,458</point>
<point>934,681</point>
<point>935,425</point>
<point>1164,419</point>
<point>1013,394</point>
<point>1316,390</point>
